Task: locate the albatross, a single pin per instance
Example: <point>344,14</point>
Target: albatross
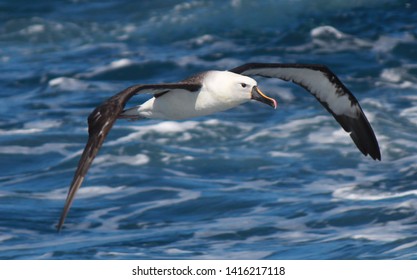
<point>214,91</point>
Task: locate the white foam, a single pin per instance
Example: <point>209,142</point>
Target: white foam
<point>352,172</point>
<point>93,191</point>
<point>32,127</point>
<point>300,124</point>
<point>327,31</point>
<point>164,127</point>
<point>184,7</point>
<point>117,64</point>
<point>285,155</point>
<point>410,114</point>
<point>176,251</point>
<point>39,150</point>
<point>408,144</point>
<point>20,131</point>
<point>387,233</point>
<point>33,29</point>
<point>351,192</point>
<point>136,160</point>
<point>120,63</point>
<point>375,103</point>
<point>403,246</point>
<point>236,3</point>
<point>5,237</point>
<point>203,40</point>
<point>129,28</point>
<point>286,129</point>
<point>5,59</point>
<point>391,75</point>
<point>84,192</point>
<point>68,84</point>
<point>329,39</point>
<point>325,35</point>
<point>119,254</point>
<point>386,44</point>
<point>43,124</point>
<point>409,111</point>
<point>328,135</point>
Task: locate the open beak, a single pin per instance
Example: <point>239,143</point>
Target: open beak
<point>258,95</point>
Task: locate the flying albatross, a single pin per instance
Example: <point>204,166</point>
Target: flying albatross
<point>215,91</point>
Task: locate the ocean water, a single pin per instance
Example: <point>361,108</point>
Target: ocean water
<point>249,183</point>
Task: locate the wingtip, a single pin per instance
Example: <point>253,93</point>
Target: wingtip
<point>62,219</point>
<point>60,224</point>
<point>374,150</point>
<point>376,156</point>
<point>371,148</point>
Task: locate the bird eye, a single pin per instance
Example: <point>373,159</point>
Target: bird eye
<point>243,85</point>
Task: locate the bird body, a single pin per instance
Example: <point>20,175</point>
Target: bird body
<point>219,91</point>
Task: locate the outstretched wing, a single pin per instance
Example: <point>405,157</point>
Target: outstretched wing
<point>100,122</point>
<point>329,91</point>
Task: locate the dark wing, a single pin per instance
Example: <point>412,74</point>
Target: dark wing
<point>100,122</point>
<point>329,91</point>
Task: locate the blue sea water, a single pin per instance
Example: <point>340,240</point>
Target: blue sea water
<point>249,183</point>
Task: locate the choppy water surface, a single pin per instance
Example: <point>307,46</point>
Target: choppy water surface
<point>248,183</point>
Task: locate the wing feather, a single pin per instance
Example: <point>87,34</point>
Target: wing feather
<point>100,121</point>
<point>326,87</point>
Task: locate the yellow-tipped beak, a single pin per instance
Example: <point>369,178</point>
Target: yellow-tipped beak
<point>258,95</point>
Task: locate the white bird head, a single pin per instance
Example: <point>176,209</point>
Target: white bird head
<point>234,89</point>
